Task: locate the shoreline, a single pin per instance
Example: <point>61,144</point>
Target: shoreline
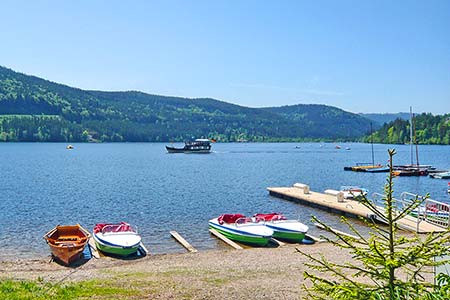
<point>261,273</point>
<point>255,272</point>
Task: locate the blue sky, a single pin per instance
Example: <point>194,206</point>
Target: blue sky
<point>362,56</point>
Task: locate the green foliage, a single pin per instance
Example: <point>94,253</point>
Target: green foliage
<point>386,265</point>
<point>429,129</point>
<point>139,117</point>
<point>39,290</point>
<point>381,118</point>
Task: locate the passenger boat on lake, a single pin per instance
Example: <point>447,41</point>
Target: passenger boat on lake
<point>196,146</point>
<point>67,242</point>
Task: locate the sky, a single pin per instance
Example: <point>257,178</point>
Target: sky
<point>361,56</point>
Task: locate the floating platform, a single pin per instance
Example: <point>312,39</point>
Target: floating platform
<point>300,193</point>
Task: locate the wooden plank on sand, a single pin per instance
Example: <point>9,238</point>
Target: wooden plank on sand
<point>93,248</point>
<point>225,239</point>
<point>142,247</point>
<point>182,241</point>
<point>315,239</point>
<point>280,243</point>
<point>337,231</point>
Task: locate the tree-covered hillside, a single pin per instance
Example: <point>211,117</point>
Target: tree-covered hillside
<point>34,109</point>
<point>323,121</point>
<point>429,129</point>
<point>380,119</point>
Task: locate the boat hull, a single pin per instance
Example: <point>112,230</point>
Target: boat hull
<point>282,232</point>
<point>378,170</point>
<point>288,236</point>
<point>67,242</point>
<point>238,234</point>
<point>183,150</point>
<point>116,239</point>
<point>116,250</point>
<point>67,255</point>
<point>410,172</point>
<point>445,175</point>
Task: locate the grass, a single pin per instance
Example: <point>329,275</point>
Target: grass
<point>176,283</point>
<point>39,290</point>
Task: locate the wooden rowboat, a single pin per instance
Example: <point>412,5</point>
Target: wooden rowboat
<point>67,242</point>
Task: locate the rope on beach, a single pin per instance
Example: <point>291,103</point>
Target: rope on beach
<point>70,273</point>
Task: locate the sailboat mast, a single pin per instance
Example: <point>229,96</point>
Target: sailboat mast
<point>415,142</point>
<point>371,142</point>
<point>411,134</point>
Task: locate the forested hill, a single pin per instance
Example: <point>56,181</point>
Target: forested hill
<point>34,109</point>
<point>429,129</point>
<point>380,119</point>
<point>323,121</point>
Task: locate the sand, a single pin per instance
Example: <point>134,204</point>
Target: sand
<point>260,273</point>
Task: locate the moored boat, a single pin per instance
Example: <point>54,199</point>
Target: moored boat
<point>430,210</point>
<point>353,192</point>
<point>67,242</point>
<point>443,175</point>
<point>197,146</point>
<point>367,167</point>
<point>377,170</point>
<point>239,228</point>
<point>410,171</point>
<point>284,229</point>
<point>118,239</point>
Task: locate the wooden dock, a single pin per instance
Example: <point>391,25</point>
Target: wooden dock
<point>348,207</point>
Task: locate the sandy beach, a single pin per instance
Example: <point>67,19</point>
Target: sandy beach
<point>261,273</point>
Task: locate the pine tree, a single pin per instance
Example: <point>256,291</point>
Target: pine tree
<point>391,265</point>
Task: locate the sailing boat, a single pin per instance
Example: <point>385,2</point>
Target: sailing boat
<point>367,167</point>
<point>412,169</point>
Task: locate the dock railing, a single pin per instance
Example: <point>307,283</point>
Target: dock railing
<point>431,211</point>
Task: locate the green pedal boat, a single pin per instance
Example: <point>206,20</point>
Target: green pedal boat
<point>117,239</point>
<point>238,228</point>
<point>283,229</point>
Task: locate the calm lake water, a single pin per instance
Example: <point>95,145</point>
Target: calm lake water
<point>45,184</point>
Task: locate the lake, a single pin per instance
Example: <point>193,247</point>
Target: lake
<point>43,184</point>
